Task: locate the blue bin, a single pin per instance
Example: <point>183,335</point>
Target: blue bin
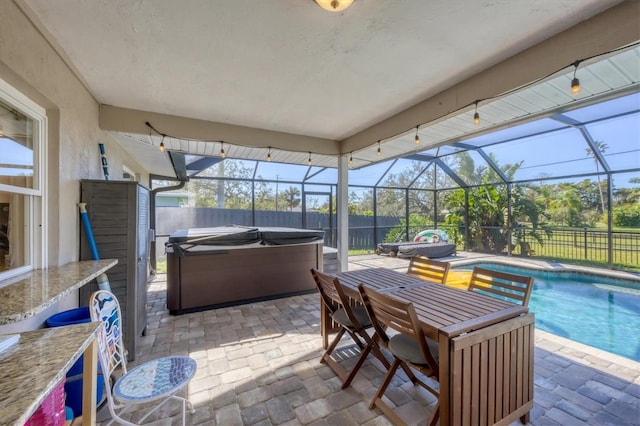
<point>73,383</point>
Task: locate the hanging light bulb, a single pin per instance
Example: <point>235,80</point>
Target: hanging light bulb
<point>417,136</point>
<point>334,5</point>
<point>222,154</point>
<point>378,152</point>
<point>476,116</point>
<point>309,161</point>
<point>350,159</point>
<point>269,155</point>
<point>575,83</point>
<point>575,86</point>
<point>162,144</point>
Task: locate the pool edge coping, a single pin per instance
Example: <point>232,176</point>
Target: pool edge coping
<point>587,350</point>
<point>551,267</point>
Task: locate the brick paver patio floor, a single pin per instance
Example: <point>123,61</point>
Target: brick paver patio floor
<point>258,365</point>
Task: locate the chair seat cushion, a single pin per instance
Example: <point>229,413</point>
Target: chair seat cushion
<point>407,349</point>
<point>155,379</point>
<point>340,316</point>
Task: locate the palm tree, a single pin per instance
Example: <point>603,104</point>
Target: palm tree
<point>602,147</point>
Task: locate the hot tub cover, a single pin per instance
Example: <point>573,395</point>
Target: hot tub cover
<point>279,236</point>
<point>231,235</point>
<point>184,239</point>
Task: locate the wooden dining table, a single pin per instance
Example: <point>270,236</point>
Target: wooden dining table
<point>485,345</point>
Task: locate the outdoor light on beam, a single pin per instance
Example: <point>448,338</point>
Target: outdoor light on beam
<point>334,5</point>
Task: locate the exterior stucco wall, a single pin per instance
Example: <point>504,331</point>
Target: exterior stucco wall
<point>30,64</point>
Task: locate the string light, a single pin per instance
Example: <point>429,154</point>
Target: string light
<point>350,159</point>
<point>162,144</point>
<point>152,130</point>
<point>476,116</point>
<point>575,83</point>
<point>575,88</point>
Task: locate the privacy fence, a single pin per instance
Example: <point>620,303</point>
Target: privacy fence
<point>362,229</point>
<point>571,244</point>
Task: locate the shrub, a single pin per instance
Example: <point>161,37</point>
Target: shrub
<point>627,215</point>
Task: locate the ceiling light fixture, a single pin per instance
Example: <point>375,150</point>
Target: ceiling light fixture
<point>334,5</point>
<point>309,161</point>
<point>378,152</point>
<point>222,154</point>
<point>476,116</point>
<point>575,83</point>
<point>269,155</point>
<point>417,136</point>
<point>350,159</point>
<point>162,144</point>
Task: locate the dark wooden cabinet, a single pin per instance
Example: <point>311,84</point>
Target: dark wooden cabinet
<point>119,216</point>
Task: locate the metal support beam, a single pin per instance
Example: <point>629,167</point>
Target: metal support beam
<point>467,234</point>
<point>509,230</point>
<point>486,158</point>
<point>610,221</point>
<point>406,213</point>
<point>451,173</point>
<point>587,137</point>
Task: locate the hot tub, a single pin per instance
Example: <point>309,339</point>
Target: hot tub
<point>215,267</point>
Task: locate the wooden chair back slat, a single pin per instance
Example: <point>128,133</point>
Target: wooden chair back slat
<point>327,289</point>
<point>507,286</point>
<point>334,298</point>
<point>428,269</point>
<point>386,312</point>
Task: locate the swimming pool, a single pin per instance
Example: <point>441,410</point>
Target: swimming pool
<point>597,311</point>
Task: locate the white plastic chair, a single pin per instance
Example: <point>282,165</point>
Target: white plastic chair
<point>155,380</point>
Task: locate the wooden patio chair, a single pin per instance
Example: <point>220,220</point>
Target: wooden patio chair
<point>511,287</point>
<point>427,269</point>
<point>410,347</point>
<point>352,320</point>
<point>155,382</point>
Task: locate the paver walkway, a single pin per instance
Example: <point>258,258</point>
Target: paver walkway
<point>258,365</point>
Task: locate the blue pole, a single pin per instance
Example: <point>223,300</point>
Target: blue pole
<point>87,227</point>
<point>102,279</point>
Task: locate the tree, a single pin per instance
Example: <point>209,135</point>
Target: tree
<point>601,147</point>
<point>291,197</point>
<point>361,203</point>
<point>487,212</point>
<point>565,208</point>
<point>221,192</point>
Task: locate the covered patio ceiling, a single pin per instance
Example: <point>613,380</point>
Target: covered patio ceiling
<point>290,68</point>
<point>542,104</point>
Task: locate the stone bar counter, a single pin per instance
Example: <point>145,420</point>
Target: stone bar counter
<point>28,294</point>
<point>33,367</point>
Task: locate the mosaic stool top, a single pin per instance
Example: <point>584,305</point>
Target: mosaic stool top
<point>155,379</point>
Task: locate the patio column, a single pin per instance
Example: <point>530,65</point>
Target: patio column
<point>342,208</point>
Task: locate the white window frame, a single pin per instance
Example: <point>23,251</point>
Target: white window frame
<point>36,197</point>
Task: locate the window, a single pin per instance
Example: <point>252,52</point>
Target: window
<point>22,191</point>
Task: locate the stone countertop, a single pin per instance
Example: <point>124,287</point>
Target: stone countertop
<point>31,369</point>
<point>28,294</point>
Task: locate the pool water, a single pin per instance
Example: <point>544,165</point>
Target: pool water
<point>599,312</point>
